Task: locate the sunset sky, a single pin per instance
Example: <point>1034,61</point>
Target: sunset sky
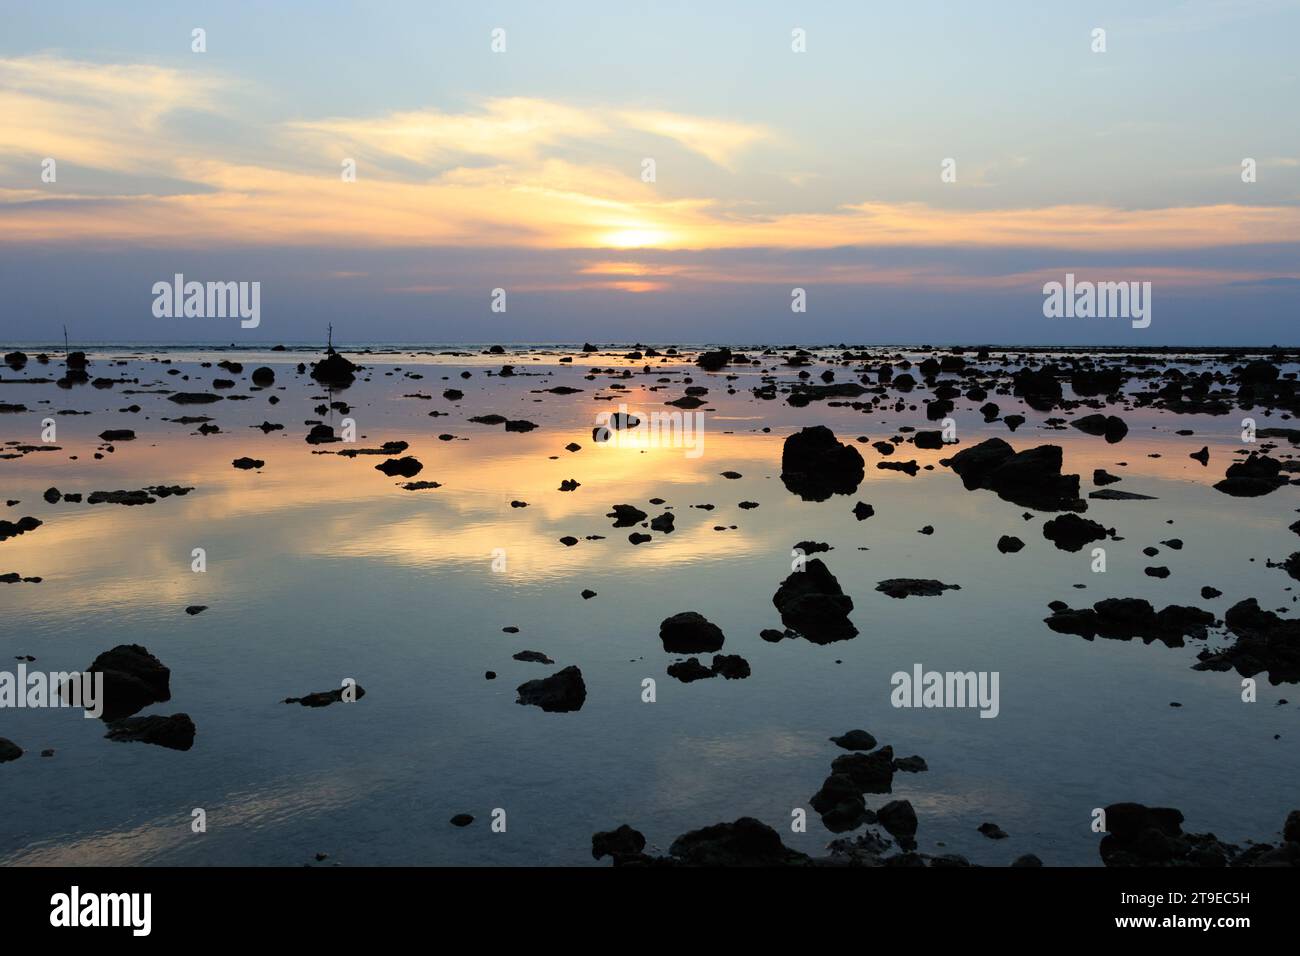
<point>774,169</point>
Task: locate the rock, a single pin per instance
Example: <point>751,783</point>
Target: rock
<point>620,844</point>
<point>193,398</point>
<point>323,698</point>
<point>899,819</point>
<point>133,679</point>
<point>714,361</point>
<point>117,434</point>
<point>689,670</point>
<point>1126,618</point>
<point>196,609</point>
<point>862,511</point>
<point>1257,475</point>
<point>1030,478</point>
<point>1265,642</point>
<point>1027,859</point>
<point>1203,456</point>
<point>1114,494</point>
<point>562,692</point>
<point>406,467</point>
<point>1102,477</point>
<point>1113,428</point>
<point>815,465</point>
<point>992,831</point>
<point>1209,593</point>
<point>1069,532</point>
<point>870,772</point>
<point>11,529</point>
<point>248,463</point>
<point>1291,829</point>
<point>321,434</point>
<point>840,804</point>
<point>811,602</point>
<point>334,370</point>
<point>914,587</point>
<point>533,657</point>
<point>1009,544</point>
<point>462,820</point>
<point>9,750</point>
<point>625,516</point>
<point>745,842</point>
<point>855,740</point>
<point>663,523</point>
<point>690,633</point>
<point>730,666</point>
<point>175,732</point>
<point>912,764</point>
<point>263,377</point>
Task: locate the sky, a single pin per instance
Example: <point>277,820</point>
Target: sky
<point>919,170</point>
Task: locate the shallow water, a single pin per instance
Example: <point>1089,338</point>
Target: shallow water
<point>321,568</point>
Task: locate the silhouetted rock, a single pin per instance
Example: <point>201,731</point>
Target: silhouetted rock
<point>815,465</point>
<point>175,732</point>
<point>690,633</point>
<point>562,692</point>
<point>811,602</point>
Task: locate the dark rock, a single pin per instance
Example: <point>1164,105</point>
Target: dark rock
<point>815,465</point>
<point>689,670</point>
<point>811,602</point>
<point>407,467</point>
<point>690,633</point>
<point>1069,532</point>
<point>855,740</point>
<point>323,698</point>
<point>914,587</point>
<point>1009,544</point>
<point>1030,478</point>
<point>745,842</point>
<point>619,844</point>
<point>175,732</point>
<point>562,692</point>
<point>533,657</point>
<point>133,679</point>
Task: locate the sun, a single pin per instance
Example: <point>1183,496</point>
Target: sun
<point>635,238</point>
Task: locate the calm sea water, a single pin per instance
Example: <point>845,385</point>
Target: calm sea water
<point>321,568</point>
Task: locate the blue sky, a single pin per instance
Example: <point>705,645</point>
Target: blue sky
<point>774,169</point>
